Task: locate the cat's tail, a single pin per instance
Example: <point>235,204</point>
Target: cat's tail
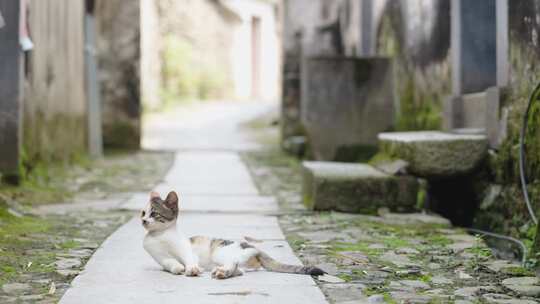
<point>268,263</point>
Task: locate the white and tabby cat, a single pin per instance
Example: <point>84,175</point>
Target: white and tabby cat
<point>178,254</point>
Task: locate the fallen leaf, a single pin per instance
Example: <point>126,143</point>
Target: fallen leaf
<point>330,279</point>
<point>52,290</point>
<point>464,276</point>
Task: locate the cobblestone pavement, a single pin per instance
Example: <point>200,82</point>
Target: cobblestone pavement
<point>43,246</point>
<point>390,258</point>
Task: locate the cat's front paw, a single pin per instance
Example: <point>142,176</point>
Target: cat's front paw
<point>178,269</point>
<point>193,271</point>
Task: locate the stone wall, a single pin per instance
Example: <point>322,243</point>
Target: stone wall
<point>118,43</point>
<point>55,121</point>
<point>346,102</point>
<point>504,209</point>
<point>299,20</point>
<point>416,33</point>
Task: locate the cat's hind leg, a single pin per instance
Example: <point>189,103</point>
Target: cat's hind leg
<point>229,258</point>
<point>226,271</point>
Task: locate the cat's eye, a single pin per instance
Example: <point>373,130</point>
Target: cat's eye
<point>143,213</point>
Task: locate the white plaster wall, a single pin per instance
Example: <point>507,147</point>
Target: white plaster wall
<point>150,55</point>
<point>270,49</point>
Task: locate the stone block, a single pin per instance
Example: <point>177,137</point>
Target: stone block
<point>434,154</point>
<point>474,110</point>
<point>345,103</point>
<point>357,188</point>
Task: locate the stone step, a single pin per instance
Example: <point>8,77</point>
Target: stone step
<point>358,188</point>
<point>434,154</point>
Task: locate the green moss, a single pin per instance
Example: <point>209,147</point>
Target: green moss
<point>421,197</point>
<point>358,246</point>
<point>52,138</point>
<point>296,242</point>
<point>517,271</point>
<point>308,201</point>
<point>69,244</point>
<point>419,110</point>
<point>479,251</point>
<point>122,134</point>
<point>381,158</point>
<point>345,277</point>
<point>438,240</point>
<point>508,213</point>
<point>15,239</point>
<point>395,242</point>
<point>355,153</point>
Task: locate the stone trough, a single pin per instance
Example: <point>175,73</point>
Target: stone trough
<point>357,188</point>
<point>434,154</point>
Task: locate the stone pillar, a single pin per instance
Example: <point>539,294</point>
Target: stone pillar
<point>10,91</point>
<point>95,137</point>
<point>290,107</point>
<point>345,103</point>
<point>118,27</point>
<point>474,46</point>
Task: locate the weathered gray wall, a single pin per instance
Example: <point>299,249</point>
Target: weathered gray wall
<point>474,46</point>
<point>10,92</point>
<point>506,212</point>
<point>118,43</point>
<point>416,33</point>
<point>300,21</point>
<point>346,102</point>
<point>55,122</point>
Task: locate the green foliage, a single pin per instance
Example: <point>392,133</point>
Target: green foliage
<point>188,77</point>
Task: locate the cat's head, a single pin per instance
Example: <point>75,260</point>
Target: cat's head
<point>160,214</point>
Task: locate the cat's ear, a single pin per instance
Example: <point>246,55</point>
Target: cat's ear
<point>154,194</point>
<point>172,201</point>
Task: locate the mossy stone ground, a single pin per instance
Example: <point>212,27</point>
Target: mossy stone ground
<point>388,258</point>
<point>40,251</point>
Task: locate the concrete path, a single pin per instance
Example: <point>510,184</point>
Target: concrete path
<point>217,198</point>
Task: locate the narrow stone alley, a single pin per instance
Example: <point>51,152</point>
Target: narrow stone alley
<point>217,198</point>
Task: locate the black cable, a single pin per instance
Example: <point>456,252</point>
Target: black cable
<point>534,97</point>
